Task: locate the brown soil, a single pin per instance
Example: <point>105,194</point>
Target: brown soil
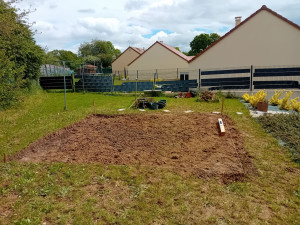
<point>188,144</point>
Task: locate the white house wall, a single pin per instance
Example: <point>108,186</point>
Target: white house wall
<point>264,40</point>
<point>122,62</point>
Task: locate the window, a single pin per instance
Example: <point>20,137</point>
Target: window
<point>184,76</point>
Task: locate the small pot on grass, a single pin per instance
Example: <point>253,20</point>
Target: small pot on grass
<point>262,106</point>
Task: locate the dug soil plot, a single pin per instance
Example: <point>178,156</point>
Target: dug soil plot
<point>188,144</point>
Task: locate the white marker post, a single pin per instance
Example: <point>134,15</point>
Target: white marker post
<point>222,128</point>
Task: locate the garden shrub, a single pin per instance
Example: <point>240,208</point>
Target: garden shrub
<point>208,96</point>
<point>260,96</point>
<point>284,103</point>
<point>295,105</point>
<point>275,98</point>
<point>246,97</point>
<point>9,82</point>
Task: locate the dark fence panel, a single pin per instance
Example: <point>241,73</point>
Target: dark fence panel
<point>277,70</point>
<point>175,86</point>
<point>281,84</point>
<point>94,83</point>
<point>233,71</point>
<point>226,83</point>
<point>276,74</point>
<point>56,82</point>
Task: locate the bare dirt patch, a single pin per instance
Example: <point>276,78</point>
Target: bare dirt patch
<point>188,144</point>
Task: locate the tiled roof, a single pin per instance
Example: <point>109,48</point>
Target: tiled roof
<point>174,50</point>
<point>242,23</point>
<point>90,66</point>
<point>138,50</point>
<point>170,48</point>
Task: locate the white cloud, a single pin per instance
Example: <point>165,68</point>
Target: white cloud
<point>109,25</point>
<point>65,24</point>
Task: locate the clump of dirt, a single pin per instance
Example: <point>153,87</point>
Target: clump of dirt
<point>188,144</point>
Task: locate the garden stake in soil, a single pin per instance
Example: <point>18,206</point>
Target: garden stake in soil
<point>222,105</point>
<point>94,105</point>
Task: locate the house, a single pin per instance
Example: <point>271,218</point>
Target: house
<point>119,65</point>
<point>158,57</point>
<point>264,39</point>
<point>87,69</point>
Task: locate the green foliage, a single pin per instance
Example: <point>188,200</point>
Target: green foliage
<point>20,55</point>
<point>201,42</point>
<point>53,57</point>
<point>285,128</point>
<point>9,81</point>
<point>177,48</point>
<point>100,52</point>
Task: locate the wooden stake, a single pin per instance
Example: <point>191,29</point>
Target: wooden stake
<point>222,105</point>
<point>94,105</point>
<point>4,158</point>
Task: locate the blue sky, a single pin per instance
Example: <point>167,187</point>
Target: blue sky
<point>65,24</point>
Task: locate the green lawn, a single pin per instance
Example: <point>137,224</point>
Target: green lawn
<point>62,193</point>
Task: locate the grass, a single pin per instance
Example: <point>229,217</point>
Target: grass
<point>60,193</point>
<point>286,128</point>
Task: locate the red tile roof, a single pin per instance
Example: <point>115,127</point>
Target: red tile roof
<point>90,66</point>
<point>170,48</point>
<point>242,23</point>
<point>137,50</point>
<point>174,50</point>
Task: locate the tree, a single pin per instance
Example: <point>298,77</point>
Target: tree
<point>103,52</point>
<point>72,60</point>
<point>16,39</point>
<point>20,55</point>
<point>177,48</point>
<point>201,42</point>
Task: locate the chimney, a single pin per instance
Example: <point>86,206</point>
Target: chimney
<point>238,20</point>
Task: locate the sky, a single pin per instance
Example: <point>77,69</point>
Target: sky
<point>65,24</point>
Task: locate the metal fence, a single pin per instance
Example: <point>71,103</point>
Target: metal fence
<point>239,78</point>
<point>162,74</point>
<point>49,70</point>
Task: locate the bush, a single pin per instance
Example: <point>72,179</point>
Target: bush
<point>209,96</point>
<point>246,97</point>
<point>9,82</point>
<point>20,57</point>
<point>284,103</point>
<point>275,98</point>
<point>295,105</point>
<point>260,96</point>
